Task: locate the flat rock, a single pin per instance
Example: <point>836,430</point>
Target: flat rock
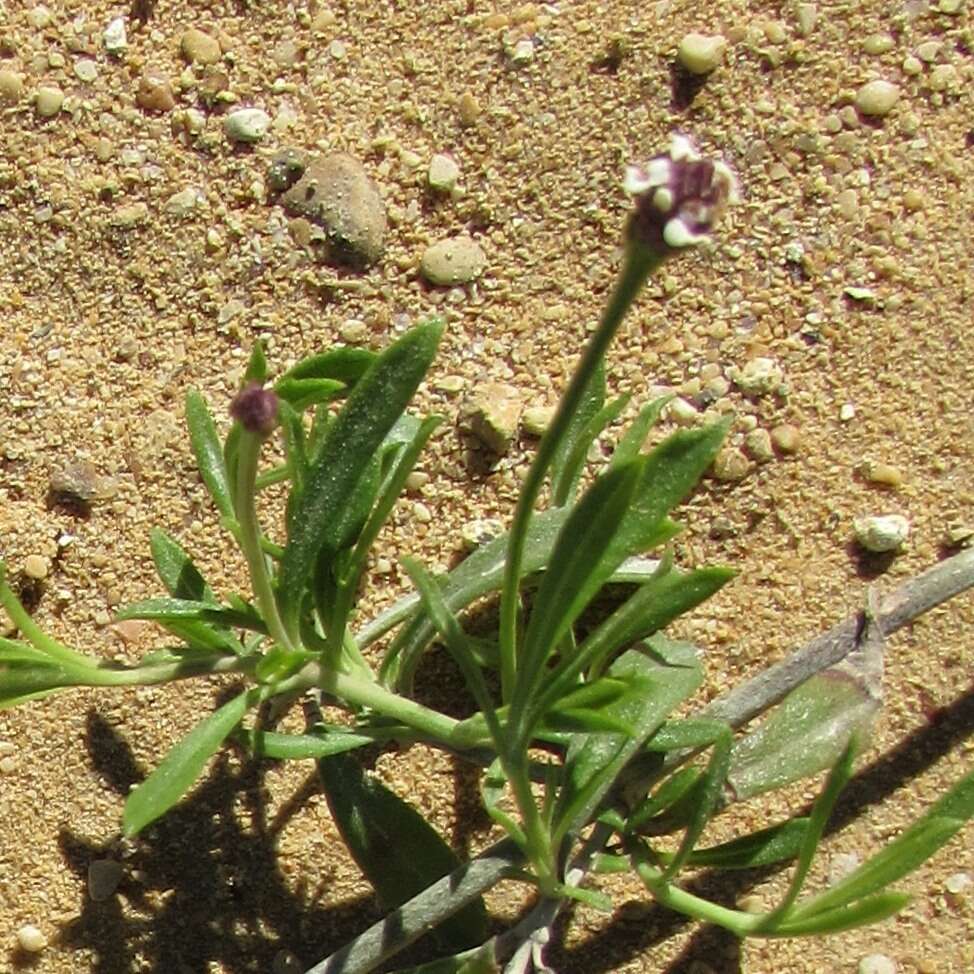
<point>492,413</point>
<point>336,193</point>
<point>455,260</point>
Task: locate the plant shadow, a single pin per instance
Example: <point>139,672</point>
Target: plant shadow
<point>203,886</point>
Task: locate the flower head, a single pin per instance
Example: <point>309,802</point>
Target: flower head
<point>679,197</point>
<point>255,408</point>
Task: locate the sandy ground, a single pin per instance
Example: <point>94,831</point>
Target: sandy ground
<point>104,326</point>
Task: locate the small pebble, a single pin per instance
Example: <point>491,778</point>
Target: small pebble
<point>881,533</point>
<point>31,939</point>
<point>127,217</point>
<point>877,964</point>
<point>847,412</point>
<point>701,53</point>
<point>731,465</point>
<point>36,567</point>
<point>958,883</point>
<point>758,445</point>
<point>155,93</point>
<point>246,125</point>
<point>443,172</point>
<point>11,86</point>
<point>48,101</point>
<point>492,413</point>
<point>451,384</point>
<point>200,48</point>
<point>183,203</point>
<point>928,51</point>
<point>878,44</point>
<point>877,98</point>
<point>842,864</point>
<point>883,474</point>
<point>286,963</point>
<point>86,70</point>
<point>942,77</point>
<point>468,108</point>
<point>807,18</point>
<point>786,438</point>
<point>7,764</point>
<point>354,331</point>
<point>104,875</point>
<point>114,37</point>
<point>682,412</point>
<point>536,419</point>
<point>39,17</point>
<point>480,532</point>
<point>758,377</point>
<point>912,66</point>
<point>455,260</point>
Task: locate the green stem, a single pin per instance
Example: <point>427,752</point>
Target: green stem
<point>638,264</point>
<point>366,693</point>
<point>20,617</point>
<point>250,538</point>
<point>681,901</point>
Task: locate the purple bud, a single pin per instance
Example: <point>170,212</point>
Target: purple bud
<point>679,197</point>
<point>255,408</point>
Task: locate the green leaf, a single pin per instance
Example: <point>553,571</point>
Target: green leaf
<point>671,793</point>
<point>27,679</point>
<point>821,811</point>
<point>480,574</point>
<point>593,399</point>
<point>183,610</point>
<point>377,401</point>
<point>299,394</point>
<point>563,489</point>
<point>209,455</point>
<point>176,569</point>
<point>396,848</point>
<point>689,732</point>
<point>707,792</point>
<point>669,473</point>
<point>256,366</point>
<point>580,564</point>
<point>859,914</point>
<point>775,844</point>
<point>595,760</point>
<point>302,747</point>
<point>183,764</point>
<point>346,365</point>
<point>632,440</point>
<point>804,734</point>
<point>904,854</point>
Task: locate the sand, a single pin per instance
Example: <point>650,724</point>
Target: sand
<point>112,305</point>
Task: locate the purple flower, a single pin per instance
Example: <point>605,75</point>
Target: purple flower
<point>679,197</point>
<point>255,408</point>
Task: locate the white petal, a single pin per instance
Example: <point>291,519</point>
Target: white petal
<point>636,180</point>
<point>677,234</point>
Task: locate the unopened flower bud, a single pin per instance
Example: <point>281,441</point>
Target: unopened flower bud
<point>679,196</point>
<point>255,408</point>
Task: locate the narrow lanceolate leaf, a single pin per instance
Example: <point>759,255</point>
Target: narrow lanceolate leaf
<point>862,913</point>
<point>183,764</point>
<point>399,852</point>
<point>631,442</point>
<point>669,473</point>
<point>593,399</point>
<point>176,569</point>
<point>904,854</point>
<point>377,401</point>
<point>29,679</point>
<point>303,747</point>
<point>563,488</point>
<point>661,677</point>
<point>208,452</point>
<point>256,366</point>
<point>346,365</point>
<point>302,393</point>
<point>183,610</point>
<point>775,844</point>
<point>578,569</point>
